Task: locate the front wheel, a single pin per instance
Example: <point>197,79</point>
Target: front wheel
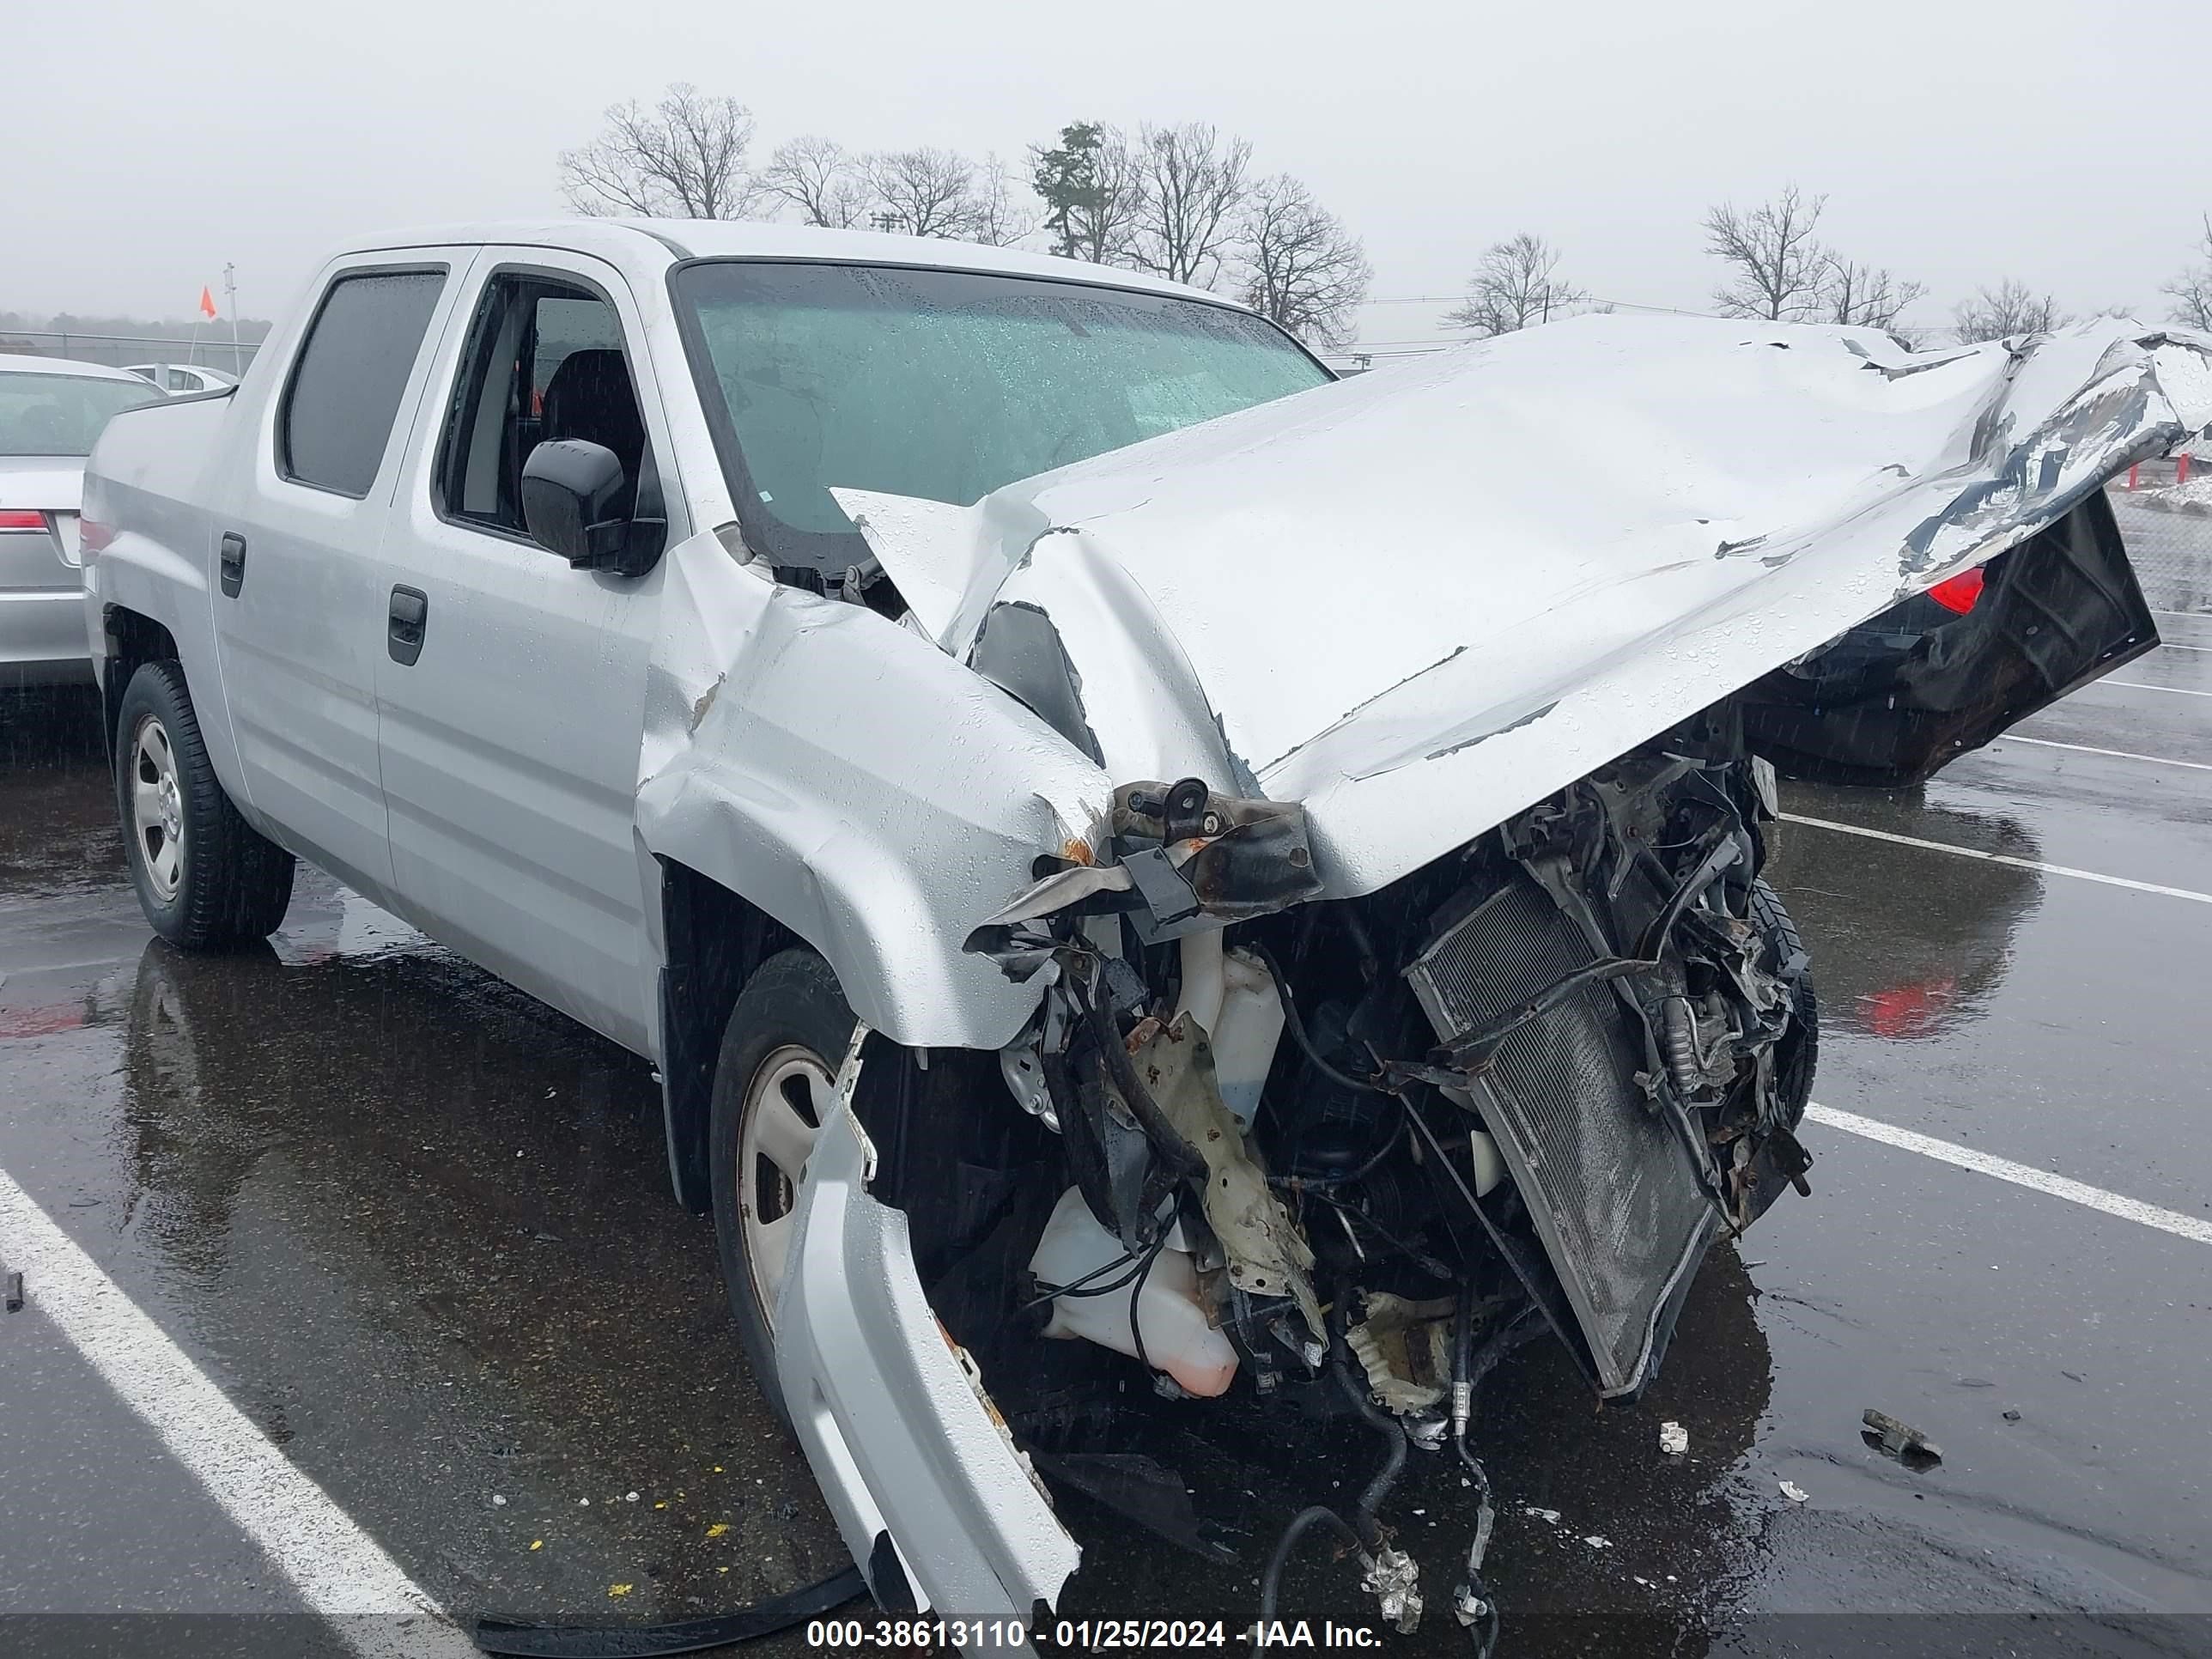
<point>773,1084</point>
<point>206,880</point>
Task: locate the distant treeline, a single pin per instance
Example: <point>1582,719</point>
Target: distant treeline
<point>122,340</point>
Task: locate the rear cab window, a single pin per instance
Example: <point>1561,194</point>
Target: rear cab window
<point>334,423</point>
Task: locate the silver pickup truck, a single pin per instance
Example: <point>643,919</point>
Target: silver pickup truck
<point>1138,863</point>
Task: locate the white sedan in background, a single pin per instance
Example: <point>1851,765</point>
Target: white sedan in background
<point>180,379</point>
<point>51,411</point>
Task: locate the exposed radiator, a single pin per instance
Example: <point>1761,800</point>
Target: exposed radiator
<point>1612,1193</point>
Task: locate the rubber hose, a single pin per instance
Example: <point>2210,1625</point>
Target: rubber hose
<point>1271,1581</point>
<point>1377,1491</point>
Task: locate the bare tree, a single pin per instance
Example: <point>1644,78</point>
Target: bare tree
<point>1864,296</point>
<point>2009,309</point>
<point>939,192</point>
<point>1515,286</point>
<point>995,215</point>
<point>2191,291</point>
<point>1776,267</point>
<point>1302,268</point>
<point>682,159</point>
<point>821,178</point>
<point>923,192</point>
<point>1091,187</point>
<point>1192,186</point>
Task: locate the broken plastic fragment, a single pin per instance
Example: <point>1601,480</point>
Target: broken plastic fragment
<point>1793,1492</point>
<point>619,1589</point>
<point>717,1529</point>
<point>1673,1439</point>
<point>1900,1440</point>
<point>1394,1579</point>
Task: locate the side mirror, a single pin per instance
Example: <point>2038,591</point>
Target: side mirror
<point>571,490</point>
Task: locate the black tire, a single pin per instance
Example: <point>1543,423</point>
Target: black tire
<point>1798,1051</point>
<point>222,884</point>
<point>790,1007</point>
<point>1801,1049</point>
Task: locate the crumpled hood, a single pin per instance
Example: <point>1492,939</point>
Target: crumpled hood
<point>1422,599</point>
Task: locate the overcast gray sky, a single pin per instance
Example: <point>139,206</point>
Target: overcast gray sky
<point>2063,144</point>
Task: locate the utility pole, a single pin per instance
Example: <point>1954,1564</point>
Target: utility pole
<point>230,305</point>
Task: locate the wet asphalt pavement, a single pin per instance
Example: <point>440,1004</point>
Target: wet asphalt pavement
<point>417,1229</point>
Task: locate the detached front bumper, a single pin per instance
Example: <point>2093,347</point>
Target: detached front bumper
<point>931,1496</point>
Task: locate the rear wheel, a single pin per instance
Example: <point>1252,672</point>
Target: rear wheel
<point>206,880</point>
<point>773,1087</point>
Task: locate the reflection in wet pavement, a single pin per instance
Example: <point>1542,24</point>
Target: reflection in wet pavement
<point>419,1229</point>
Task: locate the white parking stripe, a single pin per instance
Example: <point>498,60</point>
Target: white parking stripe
<point>2116,754</point>
<point>339,1570</point>
<point>1997,858</point>
<point>2020,1175</point>
<point>2138,685</point>
<point>2175,645</point>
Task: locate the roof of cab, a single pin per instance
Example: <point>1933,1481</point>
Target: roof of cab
<point>664,241</point>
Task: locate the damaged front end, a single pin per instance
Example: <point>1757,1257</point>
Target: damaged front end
<point>1534,1078</point>
<point>1424,995</point>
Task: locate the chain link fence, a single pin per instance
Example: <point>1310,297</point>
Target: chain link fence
<point>211,349</point>
<point>2172,552</point>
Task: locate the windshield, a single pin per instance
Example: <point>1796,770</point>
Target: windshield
<point>945,385</point>
<point>61,414</point>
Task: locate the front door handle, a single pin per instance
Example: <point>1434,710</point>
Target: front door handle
<point>410,618</point>
<point>232,573</point>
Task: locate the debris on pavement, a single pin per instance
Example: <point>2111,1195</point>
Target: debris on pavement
<point>1793,1492</point>
<point>1673,1439</point>
<point>1900,1440</point>
<point>14,1292</point>
<point>2012,1416</point>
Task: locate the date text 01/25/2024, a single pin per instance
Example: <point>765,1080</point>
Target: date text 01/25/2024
<point>1083,1635</point>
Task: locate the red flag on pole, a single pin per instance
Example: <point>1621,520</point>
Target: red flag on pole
<point>207,304</point>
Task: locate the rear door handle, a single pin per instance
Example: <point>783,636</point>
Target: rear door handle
<point>410,619</point>
<point>232,573</point>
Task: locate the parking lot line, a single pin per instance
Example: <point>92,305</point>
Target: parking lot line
<point>2138,685</point>
<point>2116,754</point>
<point>339,1570</point>
<point>2019,1175</point>
<point>2175,645</point>
<point>1997,858</point>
